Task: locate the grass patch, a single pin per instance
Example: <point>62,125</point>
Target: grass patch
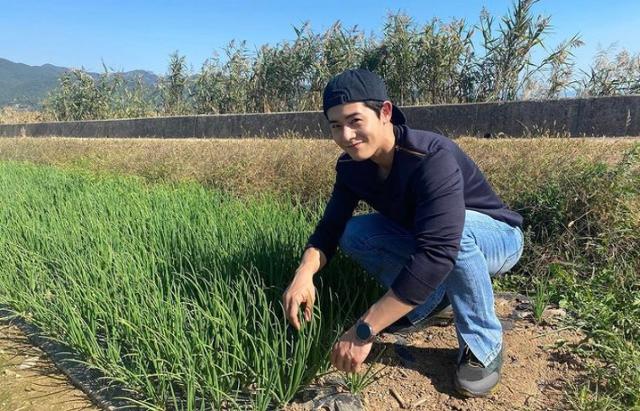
<point>583,226</point>
<point>358,382</point>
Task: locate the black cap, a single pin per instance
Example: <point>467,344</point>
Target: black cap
<point>358,85</point>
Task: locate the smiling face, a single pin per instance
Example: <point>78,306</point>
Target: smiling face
<point>359,131</point>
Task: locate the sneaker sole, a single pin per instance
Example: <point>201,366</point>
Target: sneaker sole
<point>471,394</point>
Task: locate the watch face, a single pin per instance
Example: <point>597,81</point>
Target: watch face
<point>363,331</point>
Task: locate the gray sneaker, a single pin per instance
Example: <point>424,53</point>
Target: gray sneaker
<point>474,379</point>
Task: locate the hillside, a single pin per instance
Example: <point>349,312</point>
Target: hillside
<point>26,85</point>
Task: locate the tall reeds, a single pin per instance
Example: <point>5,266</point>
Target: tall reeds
<point>81,96</point>
<point>434,63</point>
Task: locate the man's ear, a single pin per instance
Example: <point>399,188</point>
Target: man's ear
<point>386,111</point>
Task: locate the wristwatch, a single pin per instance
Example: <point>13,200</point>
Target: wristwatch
<point>364,332</point>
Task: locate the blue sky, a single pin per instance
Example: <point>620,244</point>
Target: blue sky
<point>133,34</point>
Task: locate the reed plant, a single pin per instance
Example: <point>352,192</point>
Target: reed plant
<point>174,87</point>
<point>81,96</point>
<point>611,74</point>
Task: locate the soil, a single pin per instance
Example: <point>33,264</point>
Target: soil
<point>535,373</point>
<point>29,381</point>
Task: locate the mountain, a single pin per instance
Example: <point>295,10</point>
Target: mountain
<point>26,85</point>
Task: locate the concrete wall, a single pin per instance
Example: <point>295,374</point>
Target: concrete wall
<point>602,116</point>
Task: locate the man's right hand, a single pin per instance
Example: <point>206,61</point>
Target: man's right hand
<point>301,291</point>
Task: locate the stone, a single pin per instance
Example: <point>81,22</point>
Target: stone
<point>339,402</point>
<point>552,316</point>
<point>29,362</point>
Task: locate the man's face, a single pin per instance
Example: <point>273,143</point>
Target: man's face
<point>357,129</point>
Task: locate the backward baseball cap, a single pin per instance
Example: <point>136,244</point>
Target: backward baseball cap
<point>358,85</point>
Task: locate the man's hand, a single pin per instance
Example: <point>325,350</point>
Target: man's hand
<point>301,291</point>
<point>348,353</point>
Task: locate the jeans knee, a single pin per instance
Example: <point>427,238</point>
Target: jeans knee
<point>468,251</point>
<point>467,242</point>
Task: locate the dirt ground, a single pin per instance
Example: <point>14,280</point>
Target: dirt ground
<point>535,371</point>
<point>30,382</point>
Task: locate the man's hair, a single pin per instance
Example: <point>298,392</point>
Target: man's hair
<point>374,105</point>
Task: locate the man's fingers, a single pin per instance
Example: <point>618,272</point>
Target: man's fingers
<point>355,366</point>
<point>338,357</point>
<point>346,363</point>
<point>292,313</point>
<point>292,303</point>
<point>334,356</point>
<point>310,300</point>
<point>340,362</point>
<point>286,301</point>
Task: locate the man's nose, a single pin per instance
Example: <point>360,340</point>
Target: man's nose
<point>347,134</point>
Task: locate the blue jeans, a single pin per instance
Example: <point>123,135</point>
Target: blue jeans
<point>488,247</point>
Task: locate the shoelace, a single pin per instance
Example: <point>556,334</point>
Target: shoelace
<point>470,358</point>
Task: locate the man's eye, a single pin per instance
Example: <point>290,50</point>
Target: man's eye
<point>356,121</point>
<point>336,126</point>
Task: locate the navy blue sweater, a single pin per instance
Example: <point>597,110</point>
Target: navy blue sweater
<point>431,183</point>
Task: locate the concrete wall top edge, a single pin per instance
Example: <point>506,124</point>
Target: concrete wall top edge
<point>281,113</point>
<point>561,100</point>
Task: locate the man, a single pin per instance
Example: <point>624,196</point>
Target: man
<point>438,235</point>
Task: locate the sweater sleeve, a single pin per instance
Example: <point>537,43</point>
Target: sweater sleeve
<point>338,211</point>
<point>437,227</point>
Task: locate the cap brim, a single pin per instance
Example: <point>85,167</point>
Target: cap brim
<point>397,116</point>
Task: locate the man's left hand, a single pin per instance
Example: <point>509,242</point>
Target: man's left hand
<point>349,353</point>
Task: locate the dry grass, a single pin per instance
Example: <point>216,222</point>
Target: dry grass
<point>295,166</point>
<point>513,163</point>
<point>10,115</point>
<point>241,166</point>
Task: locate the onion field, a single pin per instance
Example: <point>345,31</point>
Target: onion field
<point>172,290</point>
